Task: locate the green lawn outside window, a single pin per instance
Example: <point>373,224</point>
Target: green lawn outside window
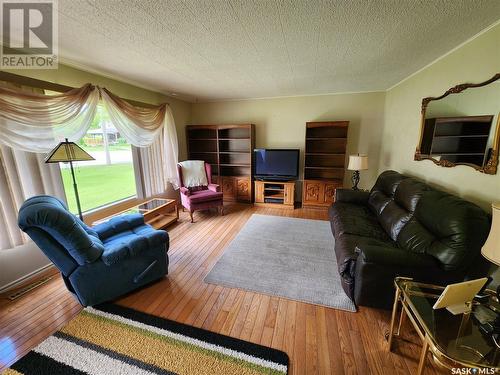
<point>99,185</point>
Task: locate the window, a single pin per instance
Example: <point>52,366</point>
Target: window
<point>108,178</point>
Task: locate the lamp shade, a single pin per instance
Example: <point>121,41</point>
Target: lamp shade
<point>491,249</point>
<point>67,151</point>
<point>358,162</point>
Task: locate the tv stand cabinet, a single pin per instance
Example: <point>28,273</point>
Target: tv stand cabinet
<point>277,194</point>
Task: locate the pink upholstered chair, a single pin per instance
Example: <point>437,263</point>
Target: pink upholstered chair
<point>200,197</point>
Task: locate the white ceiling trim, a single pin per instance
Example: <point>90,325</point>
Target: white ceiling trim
<point>82,67</point>
<point>85,68</point>
<point>289,96</point>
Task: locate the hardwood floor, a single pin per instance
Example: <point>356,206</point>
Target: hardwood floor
<point>318,340</point>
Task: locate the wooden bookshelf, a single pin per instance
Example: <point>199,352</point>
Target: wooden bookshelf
<point>324,163</point>
<point>228,149</point>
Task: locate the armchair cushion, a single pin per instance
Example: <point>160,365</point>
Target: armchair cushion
<point>204,196</point>
<point>132,243</point>
<point>117,225</point>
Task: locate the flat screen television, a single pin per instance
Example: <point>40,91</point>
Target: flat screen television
<point>276,164</point>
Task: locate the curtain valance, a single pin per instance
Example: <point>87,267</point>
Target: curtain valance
<point>36,122</point>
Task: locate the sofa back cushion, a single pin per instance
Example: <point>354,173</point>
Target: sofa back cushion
<point>398,211</point>
<point>423,220</point>
<point>383,191</point>
<point>446,227</point>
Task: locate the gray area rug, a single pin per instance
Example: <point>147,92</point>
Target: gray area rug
<point>284,257</point>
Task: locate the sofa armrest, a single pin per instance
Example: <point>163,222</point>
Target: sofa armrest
<point>377,266</point>
<point>390,256</point>
<point>118,224</point>
<point>351,196</point>
<point>185,191</point>
<point>214,187</point>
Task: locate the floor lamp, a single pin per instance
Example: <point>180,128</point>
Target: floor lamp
<point>66,152</point>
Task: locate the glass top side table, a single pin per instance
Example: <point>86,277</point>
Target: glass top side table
<point>453,340</point>
<point>157,212</point>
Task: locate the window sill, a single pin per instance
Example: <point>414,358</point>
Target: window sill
<point>110,209</point>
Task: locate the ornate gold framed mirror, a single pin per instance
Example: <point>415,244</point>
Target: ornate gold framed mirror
<point>461,127</point>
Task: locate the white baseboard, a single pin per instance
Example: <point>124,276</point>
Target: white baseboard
<point>25,278</point>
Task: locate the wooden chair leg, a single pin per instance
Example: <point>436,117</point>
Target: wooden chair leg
<point>221,210</point>
<point>191,214</point>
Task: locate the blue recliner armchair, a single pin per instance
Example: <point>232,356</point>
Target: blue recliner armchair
<point>100,263</point>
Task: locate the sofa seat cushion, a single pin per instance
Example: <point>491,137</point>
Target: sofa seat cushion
<point>348,218</point>
<point>345,251</point>
<point>131,243</point>
<point>203,196</point>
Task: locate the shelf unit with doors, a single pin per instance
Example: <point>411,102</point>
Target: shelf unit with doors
<point>276,194</point>
<point>324,162</point>
<point>228,148</point>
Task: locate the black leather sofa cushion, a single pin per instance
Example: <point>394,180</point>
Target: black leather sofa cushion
<point>458,228</point>
<point>403,227</point>
<point>394,256</point>
<point>346,255</point>
<point>352,196</point>
<point>348,218</point>
<point>401,205</point>
<point>383,191</point>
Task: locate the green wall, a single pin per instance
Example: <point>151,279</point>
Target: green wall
<point>281,122</point>
<point>473,62</point>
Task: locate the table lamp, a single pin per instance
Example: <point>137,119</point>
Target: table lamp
<point>491,251</point>
<point>66,152</point>
<point>357,163</point>
<point>491,248</point>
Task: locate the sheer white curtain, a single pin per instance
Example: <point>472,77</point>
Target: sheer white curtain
<point>35,122</point>
<point>151,179</point>
<point>154,129</point>
<point>22,175</point>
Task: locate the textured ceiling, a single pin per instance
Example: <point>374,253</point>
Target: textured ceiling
<point>229,49</point>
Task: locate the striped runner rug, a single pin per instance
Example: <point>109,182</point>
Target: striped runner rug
<point>111,339</point>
